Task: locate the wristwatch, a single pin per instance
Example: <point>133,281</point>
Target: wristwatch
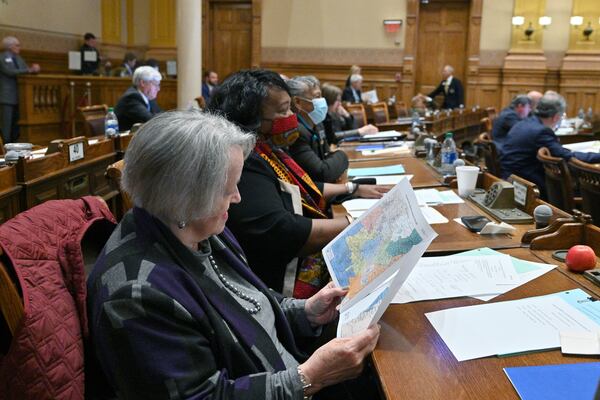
<point>305,384</point>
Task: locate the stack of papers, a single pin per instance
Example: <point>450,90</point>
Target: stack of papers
<point>388,150</point>
<point>389,170</point>
<point>357,207</point>
<point>515,326</point>
<point>375,254</point>
<point>436,197</point>
<point>383,135</point>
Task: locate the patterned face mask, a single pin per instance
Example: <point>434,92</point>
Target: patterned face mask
<point>284,131</point>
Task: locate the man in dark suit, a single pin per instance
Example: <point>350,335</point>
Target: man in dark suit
<point>90,56</point>
<point>211,81</point>
<point>352,94</point>
<point>137,103</point>
<point>11,65</point>
<point>519,108</point>
<point>519,154</point>
<point>451,88</point>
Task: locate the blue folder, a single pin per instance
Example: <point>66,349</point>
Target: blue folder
<point>560,382</point>
<point>375,171</point>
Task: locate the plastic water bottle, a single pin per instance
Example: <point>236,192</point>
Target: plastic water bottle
<point>111,124</point>
<point>590,114</point>
<point>581,114</point>
<point>448,154</point>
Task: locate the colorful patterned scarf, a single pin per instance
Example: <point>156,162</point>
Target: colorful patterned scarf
<point>312,272</point>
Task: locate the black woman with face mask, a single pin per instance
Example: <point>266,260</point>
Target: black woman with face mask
<point>311,151</point>
<point>282,221</point>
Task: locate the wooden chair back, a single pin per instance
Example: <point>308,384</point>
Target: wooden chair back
<point>93,118</point>
<point>490,153</point>
<point>201,102</point>
<point>114,173</point>
<point>486,123</point>
<point>358,112</point>
<point>401,109</point>
<point>135,127</point>
<point>11,303</point>
<point>380,112</point>
<point>588,179</point>
<point>491,113</point>
<point>559,185</point>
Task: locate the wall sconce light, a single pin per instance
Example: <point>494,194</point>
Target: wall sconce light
<point>518,20</point>
<point>588,31</point>
<point>529,31</point>
<point>576,20</point>
<point>392,25</point>
<point>544,21</point>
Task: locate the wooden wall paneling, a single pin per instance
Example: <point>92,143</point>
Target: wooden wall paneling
<point>163,41</point>
<point>130,10</point>
<point>590,11</point>
<point>580,89</point>
<point>410,51</point>
<point>231,36</point>
<point>111,21</point>
<point>485,87</point>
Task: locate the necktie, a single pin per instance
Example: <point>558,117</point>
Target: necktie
<point>14,59</point>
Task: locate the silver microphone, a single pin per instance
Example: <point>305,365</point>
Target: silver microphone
<point>542,215</point>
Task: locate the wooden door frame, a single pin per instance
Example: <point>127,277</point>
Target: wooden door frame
<point>411,41</point>
<point>255,34</point>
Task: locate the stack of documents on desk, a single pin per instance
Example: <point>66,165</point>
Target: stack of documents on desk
<point>592,146</point>
<point>388,150</point>
<point>482,273</point>
<point>375,254</point>
<point>357,207</point>
<point>385,135</point>
<point>434,197</point>
<point>516,326</point>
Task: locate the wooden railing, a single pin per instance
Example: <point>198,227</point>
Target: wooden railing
<point>48,102</point>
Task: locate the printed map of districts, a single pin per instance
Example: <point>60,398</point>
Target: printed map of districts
<point>378,240</point>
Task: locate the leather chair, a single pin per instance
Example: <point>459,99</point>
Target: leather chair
<point>381,114</point>
<point>559,184</point>
<point>359,114</point>
<point>114,172</point>
<point>588,179</point>
<point>93,117</point>
<point>490,153</point>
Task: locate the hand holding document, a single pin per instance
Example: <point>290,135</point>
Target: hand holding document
<point>374,256</point>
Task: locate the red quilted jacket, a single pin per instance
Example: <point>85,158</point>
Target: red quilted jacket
<point>45,359</point>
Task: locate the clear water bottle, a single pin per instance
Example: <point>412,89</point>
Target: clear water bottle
<point>590,114</point>
<point>581,114</point>
<point>449,154</point>
<point>111,124</point>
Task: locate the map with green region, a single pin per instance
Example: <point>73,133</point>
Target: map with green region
<point>372,244</point>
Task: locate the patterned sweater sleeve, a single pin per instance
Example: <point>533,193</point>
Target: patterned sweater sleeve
<point>151,347</point>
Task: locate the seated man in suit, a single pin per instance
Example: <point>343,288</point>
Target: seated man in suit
<point>451,88</point>
<point>352,93</point>
<point>210,84</point>
<point>519,108</point>
<point>129,62</point>
<point>534,96</point>
<point>311,150</point>
<point>519,154</point>
<point>137,103</point>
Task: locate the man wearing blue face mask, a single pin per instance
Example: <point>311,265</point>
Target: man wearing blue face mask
<point>311,151</point>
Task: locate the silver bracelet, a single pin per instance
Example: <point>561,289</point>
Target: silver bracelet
<point>350,187</point>
<point>305,384</point>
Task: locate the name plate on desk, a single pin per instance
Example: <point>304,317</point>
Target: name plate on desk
<point>520,193</point>
<point>75,151</point>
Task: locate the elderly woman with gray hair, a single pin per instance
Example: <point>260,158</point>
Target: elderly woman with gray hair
<point>175,311</point>
<point>311,151</point>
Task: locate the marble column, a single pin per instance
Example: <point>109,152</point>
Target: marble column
<point>189,51</point>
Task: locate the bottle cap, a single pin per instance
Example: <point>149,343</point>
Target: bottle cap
<point>449,135</point>
<point>110,109</point>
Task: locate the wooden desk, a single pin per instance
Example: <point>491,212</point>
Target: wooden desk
<point>413,362</point>
<point>423,176</point>
<point>9,193</point>
<point>53,177</point>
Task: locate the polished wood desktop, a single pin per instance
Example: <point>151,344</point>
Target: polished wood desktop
<point>413,362</point>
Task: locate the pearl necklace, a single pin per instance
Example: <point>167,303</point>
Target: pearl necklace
<point>257,307</point>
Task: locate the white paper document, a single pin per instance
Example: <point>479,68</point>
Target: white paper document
<point>456,276</point>
<point>370,96</point>
<point>90,56</point>
<point>375,254</point>
<point>388,150</point>
<point>433,216</point>
<point>434,196</point>
<point>580,342</point>
<point>383,135</point>
<point>515,326</point>
<point>75,60</point>
<point>592,146</point>
<point>359,204</point>
<point>390,179</point>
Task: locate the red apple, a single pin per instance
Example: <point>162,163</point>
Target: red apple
<point>580,258</point>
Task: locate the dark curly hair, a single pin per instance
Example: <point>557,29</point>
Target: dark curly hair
<point>240,96</point>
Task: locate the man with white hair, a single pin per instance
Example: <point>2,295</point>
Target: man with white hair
<point>137,103</point>
<point>11,65</point>
<point>352,93</point>
<point>451,88</point>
